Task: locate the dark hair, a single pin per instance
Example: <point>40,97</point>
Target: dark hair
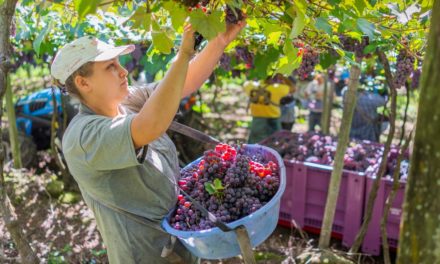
<point>85,70</point>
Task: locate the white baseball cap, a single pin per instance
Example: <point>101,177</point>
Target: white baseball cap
<point>80,51</point>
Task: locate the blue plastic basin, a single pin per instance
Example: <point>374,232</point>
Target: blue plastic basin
<point>216,244</point>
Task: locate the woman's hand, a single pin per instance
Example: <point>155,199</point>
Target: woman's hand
<point>187,46</point>
<point>232,30</point>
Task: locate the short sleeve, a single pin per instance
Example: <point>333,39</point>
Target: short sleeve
<point>137,96</point>
<point>107,143</point>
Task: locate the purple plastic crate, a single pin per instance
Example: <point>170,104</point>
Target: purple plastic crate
<point>372,243</point>
<point>306,194</point>
<point>287,199</point>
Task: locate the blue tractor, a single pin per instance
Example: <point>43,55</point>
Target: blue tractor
<point>34,117</point>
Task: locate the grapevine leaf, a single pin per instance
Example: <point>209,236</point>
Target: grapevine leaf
<point>300,6</point>
<point>366,27</point>
<point>298,25</point>
<point>141,19</point>
<point>177,13</point>
<point>289,50</point>
<point>207,25</point>
<point>288,64</point>
<point>218,184</point>
<point>209,188</point>
<point>326,60</point>
<point>360,6</point>
<point>85,7</point>
<point>322,24</point>
<point>355,35</point>
<point>261,62</point>
<point>37,42</point>
<point>370,48</point>
<point>162,42</point>
<point>274,37</point>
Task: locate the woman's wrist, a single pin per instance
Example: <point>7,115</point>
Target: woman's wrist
<point>182,55</point>
<point>219,42</point>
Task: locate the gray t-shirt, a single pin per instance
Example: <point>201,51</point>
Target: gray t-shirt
<point>129,198</point>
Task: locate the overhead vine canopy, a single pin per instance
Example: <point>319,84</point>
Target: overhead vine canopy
<point>279,35</point>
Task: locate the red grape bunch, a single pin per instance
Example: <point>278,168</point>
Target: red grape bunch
<point>404,68</point>
<point>310,58</point>
<point>228,183</point>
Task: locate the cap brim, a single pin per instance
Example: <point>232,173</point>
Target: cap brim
<point>114,52</point>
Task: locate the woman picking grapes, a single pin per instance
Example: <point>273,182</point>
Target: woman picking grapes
<point>118,124</point>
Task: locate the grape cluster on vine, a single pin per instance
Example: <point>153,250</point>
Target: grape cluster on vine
<point>415,80</point>
<point>225,62</point>
<point>354,45</point>
<point>310,58</point>
<point>228,183</point>
<point>244,55</point>
<point>233,15</point>
<point>404,68</point>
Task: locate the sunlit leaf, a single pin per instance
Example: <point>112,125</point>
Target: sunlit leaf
<point>85,7</point>
<point>141,19</point>
<point>298,25</point>
<point>366,27</point>
<point>209,187</point>
<point>360,6</point>
<point>37,42</point>
<point>207,25</point>
<point>177,13</point>
<point>322,24</point>
<point>273,38</point>
<point>161,41</point>
<point>288,64</point>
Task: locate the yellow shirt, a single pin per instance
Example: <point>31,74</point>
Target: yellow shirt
<point>265,99</point>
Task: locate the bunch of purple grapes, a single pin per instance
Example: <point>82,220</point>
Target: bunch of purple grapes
<point>233,15</point>
<point>242,191</point>
<point>353,45</point>
<point>404,68</point>
<point>27,57</point>
<point>310,59</point>
<point>225,62</point>
<point>243,54</point>
<point>415,80</point>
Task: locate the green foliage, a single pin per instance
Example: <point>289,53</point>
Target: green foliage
<point>70,198</point>
<point>55,188</point>
<point>271,25</point>
<point>216,188</point>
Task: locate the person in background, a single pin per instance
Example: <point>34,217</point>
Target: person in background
<point>314,94</point>
<point>287,104</point>
<point>264,99</point>
<point>366,124</point>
